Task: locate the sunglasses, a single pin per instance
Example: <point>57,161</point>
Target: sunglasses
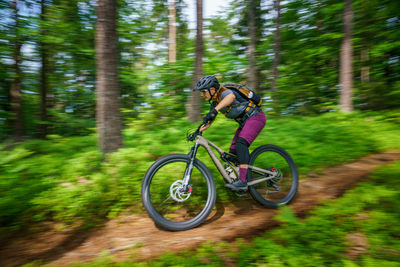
<point>203,91</point>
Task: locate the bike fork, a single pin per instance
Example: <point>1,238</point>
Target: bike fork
<point>189,166</point>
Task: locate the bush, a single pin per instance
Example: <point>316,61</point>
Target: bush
<point>65,179</point>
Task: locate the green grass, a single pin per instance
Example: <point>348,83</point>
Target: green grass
<point>65,179</point>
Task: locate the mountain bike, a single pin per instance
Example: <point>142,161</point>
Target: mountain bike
<point>179,192</point>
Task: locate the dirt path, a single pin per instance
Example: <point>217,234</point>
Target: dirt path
<point>138,235</point>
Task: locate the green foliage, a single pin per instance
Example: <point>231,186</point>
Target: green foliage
<point>156,91</point>
<point>37,166</point>
<point>65,179</point>
<point>310,46</point>
<point>374,23</point>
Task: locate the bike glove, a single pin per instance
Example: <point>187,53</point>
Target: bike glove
<point>211,115</point>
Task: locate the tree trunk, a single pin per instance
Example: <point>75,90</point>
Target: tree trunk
<point>172,32</point>
<point>107,81</point>
<point>365,67</point>
<point>15,91</point>
<point>253,77</point>
<point>193,108</point>
<point>43,77</point>
<point>277,44</point>
<point>346,61</point>
<point>276,62</point>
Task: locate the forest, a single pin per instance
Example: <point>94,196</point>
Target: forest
<point>93,91</point>
<point>290,52</point>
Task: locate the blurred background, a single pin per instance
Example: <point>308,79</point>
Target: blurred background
<point>81,78</point>
<point>290,52</point>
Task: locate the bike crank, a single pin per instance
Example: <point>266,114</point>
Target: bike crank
<point>241,193</point>
<point>179,192</point>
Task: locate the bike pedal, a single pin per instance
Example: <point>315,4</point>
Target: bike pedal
<point>277,188</point>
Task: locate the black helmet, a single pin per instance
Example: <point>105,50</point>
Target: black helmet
<point>206,83</point>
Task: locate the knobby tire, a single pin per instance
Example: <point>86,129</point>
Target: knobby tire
<point>269,157</point>
<point>157,182</point>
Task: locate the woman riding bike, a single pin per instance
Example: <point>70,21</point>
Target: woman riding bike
<point>233,105</point>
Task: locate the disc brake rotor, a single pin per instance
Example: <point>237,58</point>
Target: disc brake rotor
<point>178,191</point>
<point>272,183</point>
<point>278,175</point>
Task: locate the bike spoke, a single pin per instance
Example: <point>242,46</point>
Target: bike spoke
<point>179,203</point>
<point>168,198</point>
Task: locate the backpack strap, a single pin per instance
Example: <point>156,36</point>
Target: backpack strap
<point>218,96</point>
<point>229,109</point>
<point>232,86</point>
<point>251,105</point>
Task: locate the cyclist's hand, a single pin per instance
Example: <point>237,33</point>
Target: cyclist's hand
<point>205,127</point>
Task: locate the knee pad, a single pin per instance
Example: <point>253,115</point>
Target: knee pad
<point>242,149</point>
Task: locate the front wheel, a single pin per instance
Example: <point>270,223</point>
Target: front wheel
<point>282,188</point>
<point>170,203</point>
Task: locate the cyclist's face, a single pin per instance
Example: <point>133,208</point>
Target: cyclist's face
<point>205,93</point>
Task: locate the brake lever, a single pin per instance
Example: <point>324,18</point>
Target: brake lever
<point>192,136</point>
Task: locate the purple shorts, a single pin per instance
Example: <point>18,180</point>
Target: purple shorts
<point>251,129</point>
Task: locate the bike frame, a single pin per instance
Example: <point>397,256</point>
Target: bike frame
<point>201,141</point>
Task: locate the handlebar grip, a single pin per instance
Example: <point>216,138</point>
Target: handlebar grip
<point>192,136</point>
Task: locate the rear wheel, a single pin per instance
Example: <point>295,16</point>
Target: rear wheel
<point>283,187</point>
<point>168,202</point>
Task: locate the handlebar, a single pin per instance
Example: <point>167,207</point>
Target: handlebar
<point>192,136</point>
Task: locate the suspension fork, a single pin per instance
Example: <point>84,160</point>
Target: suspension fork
<point>190,164</point>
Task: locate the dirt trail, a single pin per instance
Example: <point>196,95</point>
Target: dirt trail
<point>138,235</point>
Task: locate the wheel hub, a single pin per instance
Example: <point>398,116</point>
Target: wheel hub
<point>272,183</point>
<point>278,175</point>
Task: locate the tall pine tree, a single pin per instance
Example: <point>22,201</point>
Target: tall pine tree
<point>15,92</point>
<point>346,61</point>
<point>193,107</point>
<point>108,91</point>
